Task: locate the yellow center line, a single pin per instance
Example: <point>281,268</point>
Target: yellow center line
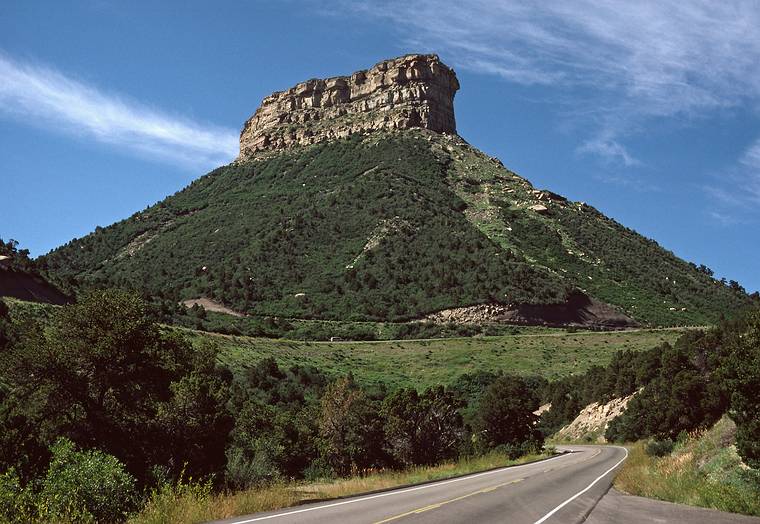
<point>439,504</point>
<point>598,451</point>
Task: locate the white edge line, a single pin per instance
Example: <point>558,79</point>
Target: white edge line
<point>568,501</point>
<point>396,492</point>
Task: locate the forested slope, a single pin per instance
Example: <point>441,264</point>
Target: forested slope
<point>385,226</point>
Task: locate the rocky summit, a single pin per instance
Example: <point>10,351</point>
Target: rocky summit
<point>413,91</point>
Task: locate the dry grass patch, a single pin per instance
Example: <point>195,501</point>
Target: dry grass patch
<point>704,470</point>
<point>188,502</point>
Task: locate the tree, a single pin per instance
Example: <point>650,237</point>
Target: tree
<point>685,395</point>
<point>255,452</point>
<point>506,416</point>
<point>195,421</point>
<point>17,259</point>
<point>350,429</point>
<point>98,375</point>
<point>744,365</point>
<point>423,429</point>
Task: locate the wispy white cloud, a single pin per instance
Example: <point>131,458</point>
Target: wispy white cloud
<point>630,61</point>
<point>672,55</point>
<point>607,147</point>
<point>42,96</point>
<point>735,192</point>
<point>750,165</point>
<point>724,219</point>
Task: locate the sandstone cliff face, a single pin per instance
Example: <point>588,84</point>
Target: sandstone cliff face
<point>410,91</point>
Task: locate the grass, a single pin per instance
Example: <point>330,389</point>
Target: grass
<point>187,502</point>
<point>550,353</point>
<point>309,329</point>
<point>704,470</point>
<point>423,363</point>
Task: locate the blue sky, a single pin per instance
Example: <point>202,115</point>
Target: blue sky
<point>647,110</point>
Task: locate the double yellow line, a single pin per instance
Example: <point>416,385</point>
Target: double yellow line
<point>439,504</point>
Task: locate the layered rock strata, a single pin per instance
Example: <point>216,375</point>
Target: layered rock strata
<point>401,93</point>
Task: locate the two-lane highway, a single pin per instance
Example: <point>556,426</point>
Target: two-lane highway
<point>561,489</point>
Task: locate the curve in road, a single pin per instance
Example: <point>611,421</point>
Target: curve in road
<point>560,489</point>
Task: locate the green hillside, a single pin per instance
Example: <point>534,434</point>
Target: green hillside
<point>428,363</point>
<point>384,226</point>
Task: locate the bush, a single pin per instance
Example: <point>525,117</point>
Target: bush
<point>257,464</point>
<point>88,486</point>
<point>319,469</point>
<point>522,449</point>
<point>506,419</point>
<point>659,448</point>
<point>16,502</point>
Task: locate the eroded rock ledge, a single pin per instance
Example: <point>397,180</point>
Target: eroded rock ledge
<point>400,93</point>
<point>579,310</point>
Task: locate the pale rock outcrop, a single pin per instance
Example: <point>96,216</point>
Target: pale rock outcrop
<point>593,420</point>
<point>578,310</point>
<point>540,209</point>
<point>400,93</point>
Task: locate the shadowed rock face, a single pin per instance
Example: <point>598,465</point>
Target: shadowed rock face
<point>401,93</point>
<point>29,287</point>
<point>578,310</point>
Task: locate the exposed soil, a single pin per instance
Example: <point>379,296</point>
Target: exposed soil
<point>578,310</point>
<point>210,305</point>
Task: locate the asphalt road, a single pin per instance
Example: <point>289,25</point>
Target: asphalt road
<point>563,489</point>
<point>617,508</point>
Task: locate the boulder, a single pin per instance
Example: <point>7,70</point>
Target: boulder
<point>540,209</point>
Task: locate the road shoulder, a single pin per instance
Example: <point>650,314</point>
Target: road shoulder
<point>616,507</point>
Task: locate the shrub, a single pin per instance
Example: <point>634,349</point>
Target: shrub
<point>319,469</point>
<point>255,465</point>
<point>16,502</point>
<point>88,486</point>
<point>659,448</point>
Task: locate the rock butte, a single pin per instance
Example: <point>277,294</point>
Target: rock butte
<point>400,93</point>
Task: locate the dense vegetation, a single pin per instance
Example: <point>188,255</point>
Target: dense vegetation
<point>99,408</point>
<point>98,403</point>
<point>384,227</point>
<point>681,388</point>
<point>15,259</point>
<point>343,230</point>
